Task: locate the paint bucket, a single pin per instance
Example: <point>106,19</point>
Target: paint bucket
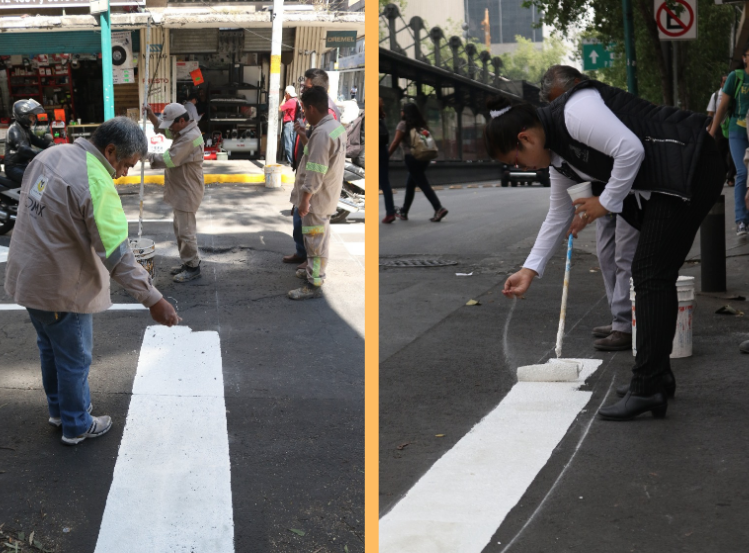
<point>273,176</point>
<point>144,251</point>
<point>682,345</point>
<point>222,156</point>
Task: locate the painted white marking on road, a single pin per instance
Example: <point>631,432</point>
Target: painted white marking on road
<point>171,489</point>
<point>355,248</point>
<point>3,253</point>
<point>151,220</point>
<point>348,229</point>
<point>115,307</point>
<point>462,500</point>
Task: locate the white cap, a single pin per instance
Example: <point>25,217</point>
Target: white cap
<point>170,113</point>
<point>290,91</point>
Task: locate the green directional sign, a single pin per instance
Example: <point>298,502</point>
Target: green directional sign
<point>597,56</point>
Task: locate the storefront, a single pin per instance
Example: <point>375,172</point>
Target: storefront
<point>63,72</point>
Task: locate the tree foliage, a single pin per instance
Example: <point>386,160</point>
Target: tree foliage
<point>529,62</point>
<point>700,62</point>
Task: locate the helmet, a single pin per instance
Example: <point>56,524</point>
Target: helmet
<point>23,108</point>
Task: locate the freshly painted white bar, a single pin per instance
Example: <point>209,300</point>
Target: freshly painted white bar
<point>460,502</point>
<point>3,253</point>
<point>171,489</point>
<point>115,307</point>
<point>355,248</point>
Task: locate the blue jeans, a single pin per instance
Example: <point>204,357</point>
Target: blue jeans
<point>738,142</point>
<point>288,140</point>
<point>301,251</point>
<point>65,342</point>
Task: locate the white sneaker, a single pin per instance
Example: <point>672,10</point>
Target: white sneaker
<point>99,426</point>
<point>741,229</point>
<point>57,421</point>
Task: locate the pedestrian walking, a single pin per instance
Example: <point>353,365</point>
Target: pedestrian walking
<point>183,182</point>
<point>387,191</point>
<point>411,119</point>
<point>722,137</point>
<point>289,108</point>
<point>191,107</point>
<point>317,188</point>
<point>734,104</point>
<point>70,238</point>
<point>616,240</point>
<point>595,132</point>
<point>353,92</point>
<point>312,77</point>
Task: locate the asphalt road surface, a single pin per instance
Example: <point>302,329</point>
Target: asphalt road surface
<point>463,456</point>
<point>285,466</point>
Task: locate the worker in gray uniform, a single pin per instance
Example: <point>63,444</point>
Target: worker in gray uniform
<point>317,188</point>
<point>183,182</point>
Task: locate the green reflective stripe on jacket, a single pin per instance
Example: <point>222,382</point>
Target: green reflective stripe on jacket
<point>314,231</point>
<point>109,216</point>
<point>168,160</point>
<point>316,167</point>
<point>198,141</point>
<point>306,150</point>
<point>335,133</point>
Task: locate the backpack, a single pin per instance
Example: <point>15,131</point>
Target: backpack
<point>355,137</point>
<point>423,146</point>
<point>732,102</point>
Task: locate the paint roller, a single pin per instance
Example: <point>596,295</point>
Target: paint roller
<point>555,370</point>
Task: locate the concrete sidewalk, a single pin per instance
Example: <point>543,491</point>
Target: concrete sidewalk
<point>234,171</point>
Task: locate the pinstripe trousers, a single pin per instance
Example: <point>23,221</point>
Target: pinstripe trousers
<point>667,226</point>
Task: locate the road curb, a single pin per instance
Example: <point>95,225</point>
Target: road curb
<point>208,179</point>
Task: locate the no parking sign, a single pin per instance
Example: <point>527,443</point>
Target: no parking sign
<point>676,19</point>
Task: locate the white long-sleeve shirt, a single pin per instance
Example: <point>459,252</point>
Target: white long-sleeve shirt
<point>590,122</point>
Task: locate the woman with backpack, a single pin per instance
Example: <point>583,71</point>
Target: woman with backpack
<point>735,102</point>
<point>656,166</point>
<point>412,125</point>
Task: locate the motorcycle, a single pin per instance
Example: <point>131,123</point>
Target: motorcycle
<point>352,193</point>
<point>10,197</point>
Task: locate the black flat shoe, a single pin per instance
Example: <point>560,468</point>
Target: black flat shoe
<point>669,387</point>
<point>631,406</point>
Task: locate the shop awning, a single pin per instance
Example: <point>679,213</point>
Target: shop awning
<point>76,42</point>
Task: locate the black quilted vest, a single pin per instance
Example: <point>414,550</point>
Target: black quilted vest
<point>672,139</point>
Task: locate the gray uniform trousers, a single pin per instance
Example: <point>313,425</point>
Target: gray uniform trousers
<point>616,242</point>
<point>316,232</point>
<point>186,232</point>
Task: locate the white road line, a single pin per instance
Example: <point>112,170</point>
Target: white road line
<point>348,229</point>
<point>171,489</point>
<point>3,253</point>
<point>462,500</point>
<point>151,220</point>
<point>115,307</point>
<point>355,248</point>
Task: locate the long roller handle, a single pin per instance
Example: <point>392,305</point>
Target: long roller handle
<point>563,313</point>
<point>145,101</point>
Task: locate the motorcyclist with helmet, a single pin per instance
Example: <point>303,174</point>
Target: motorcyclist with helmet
<point>19,140</point>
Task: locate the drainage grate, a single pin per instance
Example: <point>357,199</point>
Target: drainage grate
<point>417,263</point>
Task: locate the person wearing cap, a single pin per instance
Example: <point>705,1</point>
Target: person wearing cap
<point>288,108</point>
<point>317,188</point>
<point>183,182</point>
<point>190,106</point>
<point>70,237</point>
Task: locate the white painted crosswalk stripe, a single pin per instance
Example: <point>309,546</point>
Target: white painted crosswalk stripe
<point>3,253</point>
<point>462,500</point>
<point>352,237</point>
<point>172,484</point>
<point>115,307</point>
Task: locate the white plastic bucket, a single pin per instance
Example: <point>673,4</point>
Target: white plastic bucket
<point>222,156</point>
<point>682,345</point>
<point>145,253</point>
<point>273,176</point>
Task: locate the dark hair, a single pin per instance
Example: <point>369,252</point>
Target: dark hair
<point>184,117</point>
<point>317,97</point>
<point>193,96</point>
<point>501,133</point>
<point>126,136</point>
<point>413,118</point>
<point>318,77</point>
<point>561,76</point>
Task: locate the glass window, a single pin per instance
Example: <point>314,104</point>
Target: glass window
<point>469,135</point>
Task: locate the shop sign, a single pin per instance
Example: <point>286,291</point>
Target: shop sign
<point>57,4</point>
<point>184,68</point>
<point>123,76</point>
<point>339,39</point>
<point>351,62</point>
<point>157,142</point>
